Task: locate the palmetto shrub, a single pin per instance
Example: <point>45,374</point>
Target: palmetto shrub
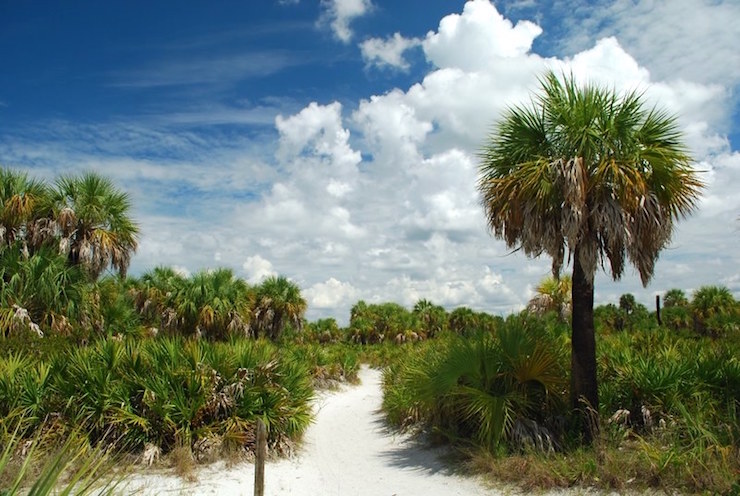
<point>328,363</point>
<point>500,391</point>
<point>167,392</point>
<point>662,380</point>
<point>23,390</point>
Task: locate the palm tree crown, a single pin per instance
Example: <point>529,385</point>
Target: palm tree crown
<point>594,172</point>
<point>278,302</point>
<point>588,169</point>
<point>22,202</point>
<point>95,223</point>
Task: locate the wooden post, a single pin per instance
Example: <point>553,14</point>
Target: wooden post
<point>259,459</point>
<point>657,309</point>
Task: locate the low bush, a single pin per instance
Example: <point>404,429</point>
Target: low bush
<point>163,392</point>
<point>503,391</point>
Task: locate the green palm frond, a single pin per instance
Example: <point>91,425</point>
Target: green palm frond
<point>587,165</point>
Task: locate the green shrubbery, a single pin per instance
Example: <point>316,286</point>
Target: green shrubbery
<point>669,402</point>
<point>164,392</point>
<point>504,391</point>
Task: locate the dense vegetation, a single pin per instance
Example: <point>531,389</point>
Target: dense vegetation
<point>669,397</point>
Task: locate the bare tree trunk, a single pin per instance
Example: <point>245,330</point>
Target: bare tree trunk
<point>657,309</point>
<point>584,391</point>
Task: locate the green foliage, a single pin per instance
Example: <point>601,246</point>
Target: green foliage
<point>167,392</point>
<point>70,468</point>
<point>553,295</point>
<point>431,318</point>
<point>669,405</point>
<point>715,311</point>
<point>496,390</point>
<point>675,298</point>
<point>463,321</point>
<point>278,303</point>
<point>214,304</point>
<point>376,323</point>
<point>41,293</point>
<point>628,316</point>
<point>323,331</point>
<point>679,398</point>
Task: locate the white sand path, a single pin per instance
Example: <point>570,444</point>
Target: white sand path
<point>348,450</point>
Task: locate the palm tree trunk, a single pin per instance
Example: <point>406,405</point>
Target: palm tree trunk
<point>584,391</point>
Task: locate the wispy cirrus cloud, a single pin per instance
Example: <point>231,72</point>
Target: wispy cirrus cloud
<point>207,70</point>
<point>695,40</point>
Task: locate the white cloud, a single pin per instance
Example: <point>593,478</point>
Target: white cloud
<point>693,40</point>
<point>478,38</point>
<point>340,13</point>
<point>317,130</point>
<point>331,294</point>
<point>388,52</point>
<point>257,269</point>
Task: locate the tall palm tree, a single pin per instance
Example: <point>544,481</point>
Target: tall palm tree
<point>95,223</point>
<point>278,302</point>
<point>586,169</point>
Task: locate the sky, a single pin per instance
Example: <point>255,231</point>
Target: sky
<point>336,141</point>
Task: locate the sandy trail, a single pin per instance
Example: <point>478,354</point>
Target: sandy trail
<point>347,451</point>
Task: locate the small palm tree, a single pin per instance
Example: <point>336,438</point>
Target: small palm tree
<point>714,307</point>
<point>594,173</point>
<point>22,208</point>
<point>433,318</point>
<point>497,389</point>
<point>278,301</point>
<point>154,296</point>
<point>41,290</point>
<point>675,298</point>
<point>463,321</point>
<point>553,295</point>
<point>95,223</point>
<point>216,303</point>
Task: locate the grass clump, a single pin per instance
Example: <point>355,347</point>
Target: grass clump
<point>53,461</point>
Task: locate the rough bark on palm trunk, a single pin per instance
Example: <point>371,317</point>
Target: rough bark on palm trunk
<point>583,386</point>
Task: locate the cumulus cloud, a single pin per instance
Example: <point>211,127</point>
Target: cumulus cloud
<point>388,52</point>
<point>338,14</point>
<point>331,294</point>
<point>257,269</point>
<point>478,38</point>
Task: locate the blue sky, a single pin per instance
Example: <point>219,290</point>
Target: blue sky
<point>335,141</point>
